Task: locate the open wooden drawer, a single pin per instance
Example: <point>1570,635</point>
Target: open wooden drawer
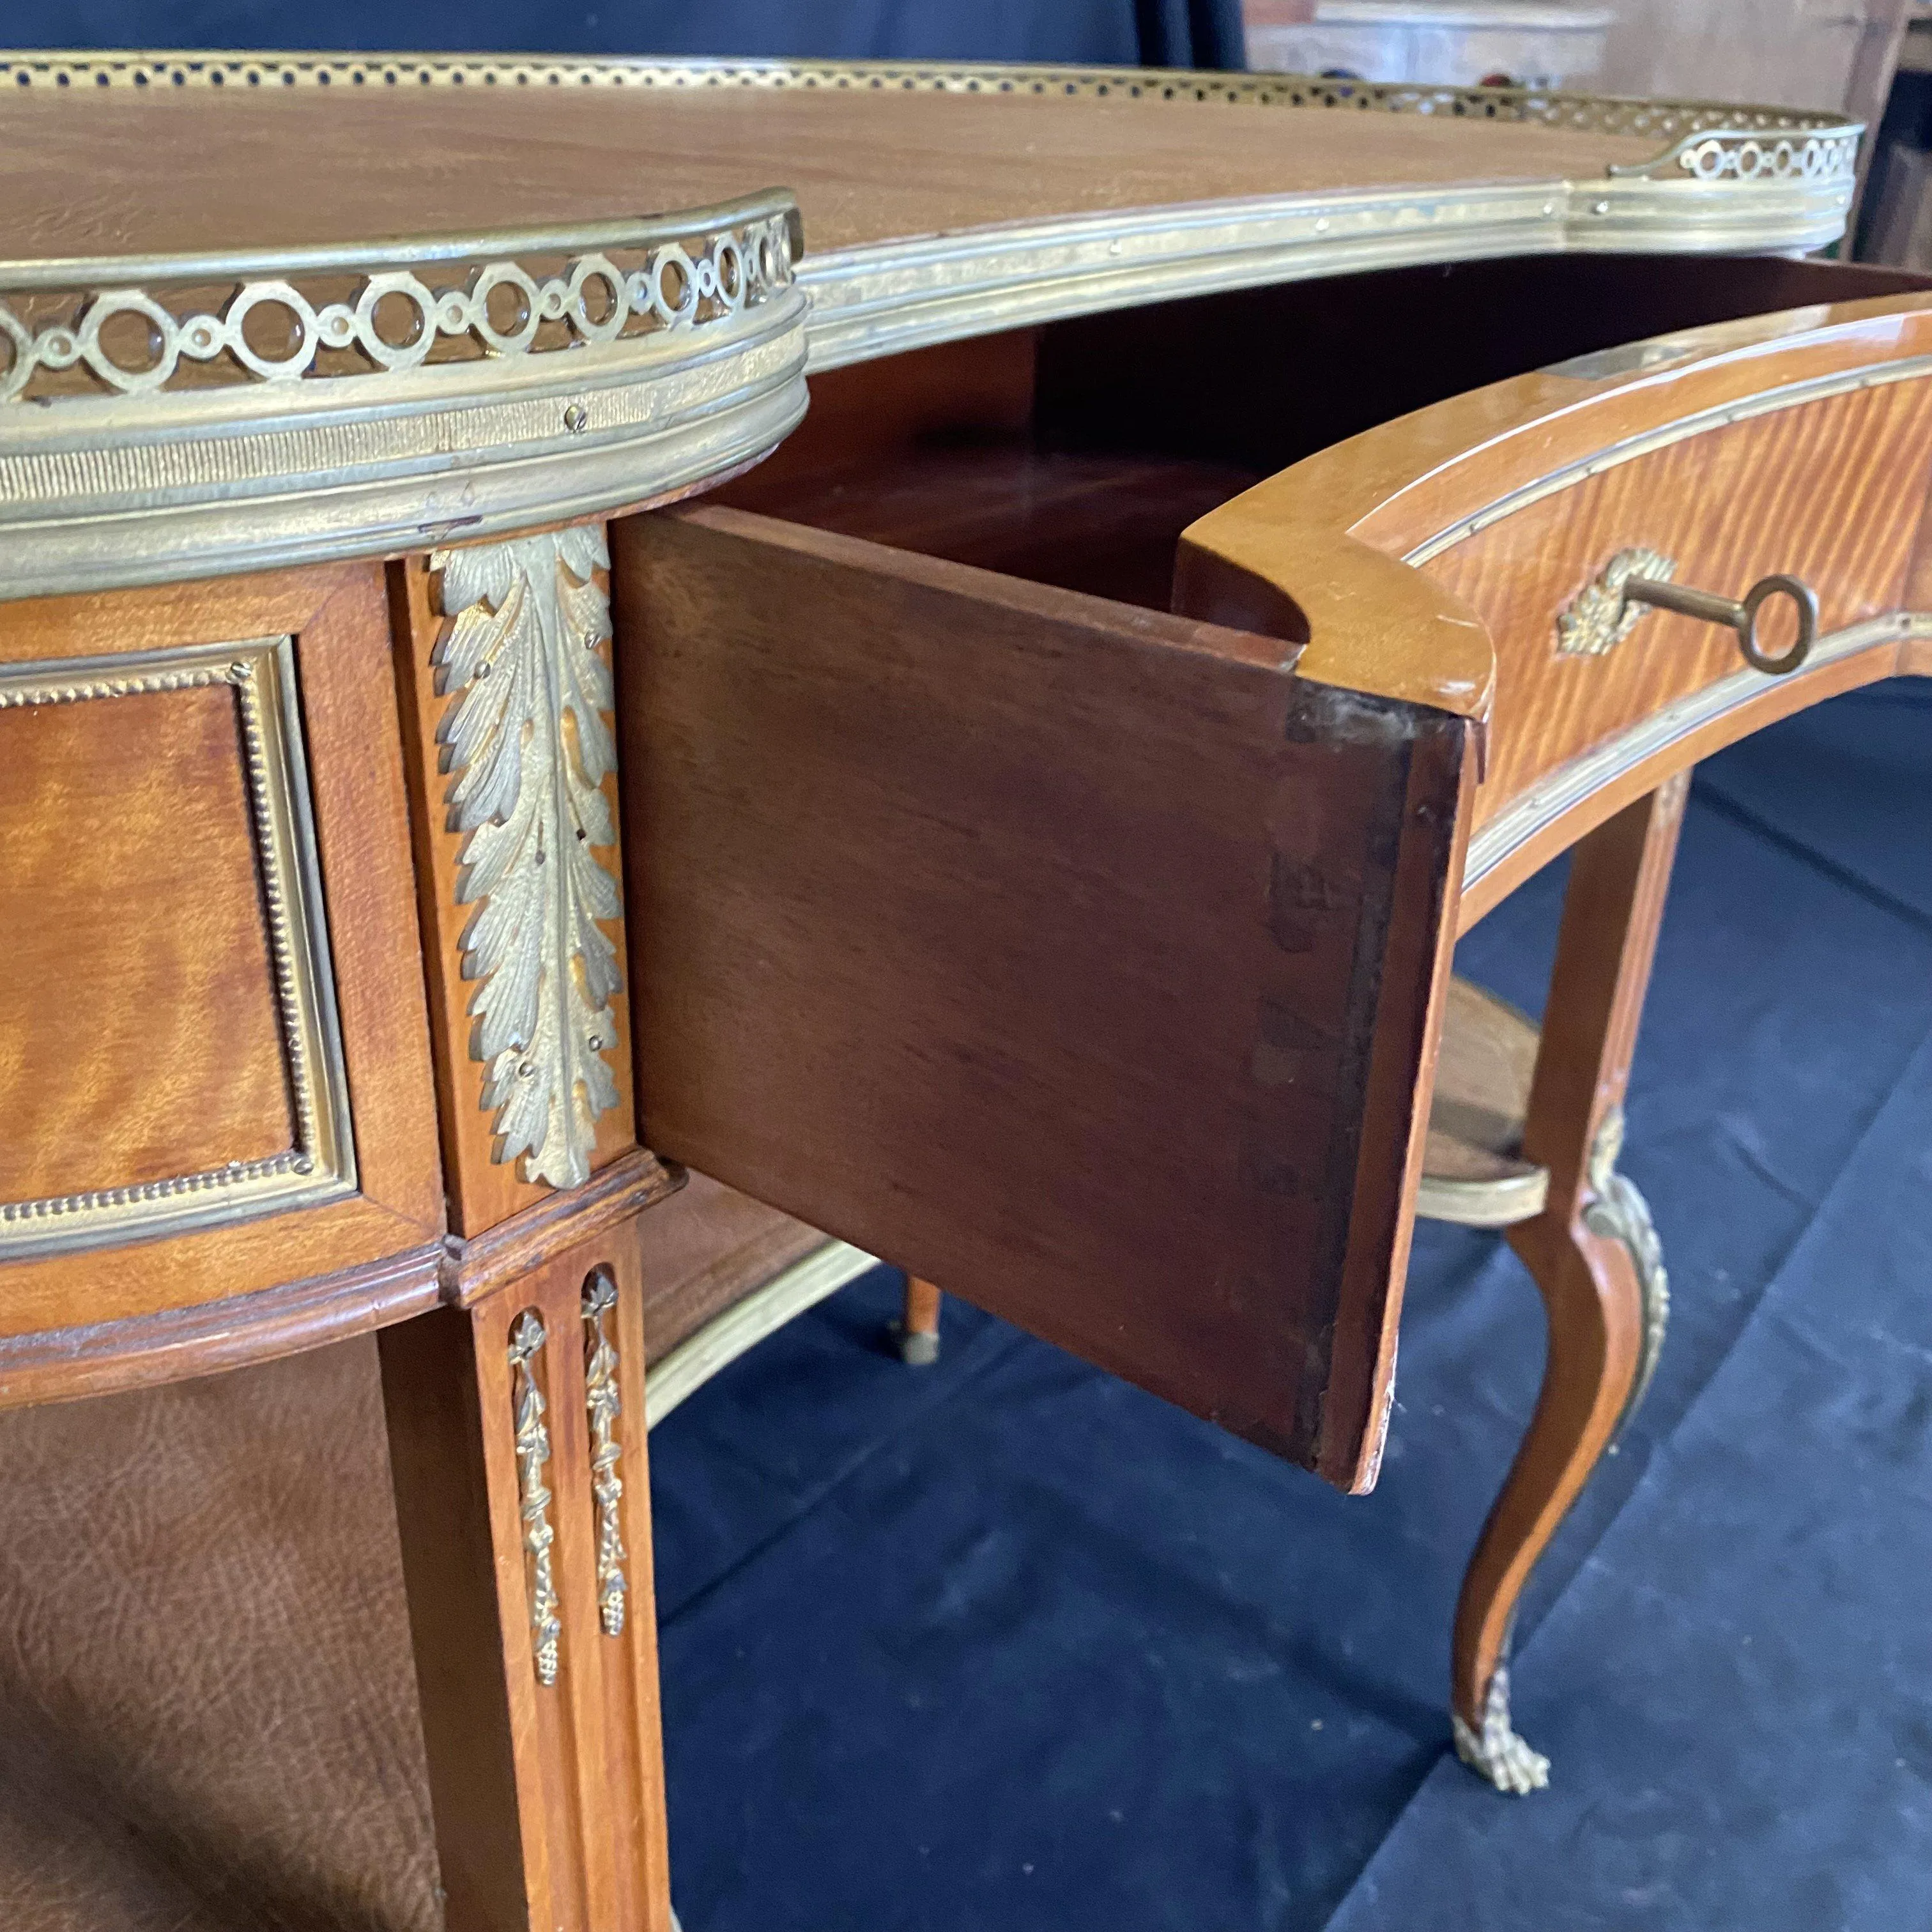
<point>1083,958</point>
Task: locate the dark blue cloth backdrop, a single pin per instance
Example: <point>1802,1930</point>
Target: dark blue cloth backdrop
<point>1153,33</point>
<point>1006,1644</point>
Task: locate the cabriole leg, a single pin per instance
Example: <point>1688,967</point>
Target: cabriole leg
<point>1593,1252</point>
<point>518,1445</point>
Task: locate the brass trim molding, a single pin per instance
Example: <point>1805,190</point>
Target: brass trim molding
<point>1617,1211</point>
<point>320,1165</point>
<point>332,452</point>
<point>398,407</point>
<point>385,306</point>
<point>527,749</point>
<point>1483,1203</point>
<point>1739,153</point>
<point>1561,791</point>
<point>1764,402</point>
<point>880,301</point>
<point>1665,120</point>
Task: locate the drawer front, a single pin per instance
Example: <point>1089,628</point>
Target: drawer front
<point>1078,958</point>
<point>1832,492</point>
<point>213,1050</point>
<point>176,1054</point>
<point>1796,445</point>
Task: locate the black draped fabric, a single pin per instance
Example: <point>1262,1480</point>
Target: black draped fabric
<point>1156,33</point>
<point>1005,1643</point>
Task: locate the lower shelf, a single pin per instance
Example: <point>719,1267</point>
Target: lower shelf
<point>747,1321</point>
<point>1473,1171</point>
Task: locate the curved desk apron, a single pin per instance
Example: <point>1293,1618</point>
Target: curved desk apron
<point>320,994</point>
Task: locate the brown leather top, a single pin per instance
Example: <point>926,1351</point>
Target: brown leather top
<point>89,169</point>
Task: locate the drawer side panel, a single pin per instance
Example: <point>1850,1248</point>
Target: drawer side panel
<point>1041,945</point>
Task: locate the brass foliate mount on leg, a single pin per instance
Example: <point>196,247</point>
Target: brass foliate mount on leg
<point>1619,1212</point>
<point>606,1486</point>
<point>527,747</point>
<point>1496,1752</point>
<point>527,1339</point>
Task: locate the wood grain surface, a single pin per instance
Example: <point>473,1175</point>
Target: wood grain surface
<point>942,450</point>
<point>279,167</point>
<point>549,1799</point>
<point>1102,523</point>
<point>150,1068</point>
<point>1831,487</point>
<point>210,1338</point>
<point>1831,492</point>
<point>1076,957</point>
<point>139,1034</point>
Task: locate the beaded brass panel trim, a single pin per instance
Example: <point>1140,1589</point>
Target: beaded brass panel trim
<point>320,1166</point>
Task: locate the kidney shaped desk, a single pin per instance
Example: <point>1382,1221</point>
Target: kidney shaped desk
<point>420,844</point>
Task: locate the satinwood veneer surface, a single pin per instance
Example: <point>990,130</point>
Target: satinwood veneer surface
<point>1798,442</point>
<point>138,1039</point>
<point>285,167</point>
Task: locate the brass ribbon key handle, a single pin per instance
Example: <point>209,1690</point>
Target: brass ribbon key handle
<point>1742,615</point>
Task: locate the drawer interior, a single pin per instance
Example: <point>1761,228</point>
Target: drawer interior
<point>945,452</point>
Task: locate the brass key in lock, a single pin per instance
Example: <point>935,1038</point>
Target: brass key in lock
<point>1741,615</point>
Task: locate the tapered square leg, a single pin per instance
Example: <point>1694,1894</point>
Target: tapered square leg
<point>517,1438</point>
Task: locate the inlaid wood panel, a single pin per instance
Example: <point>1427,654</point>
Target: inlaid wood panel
<point>1832,492</point>
<point>145,1021</point>
<point>132,1049</point>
